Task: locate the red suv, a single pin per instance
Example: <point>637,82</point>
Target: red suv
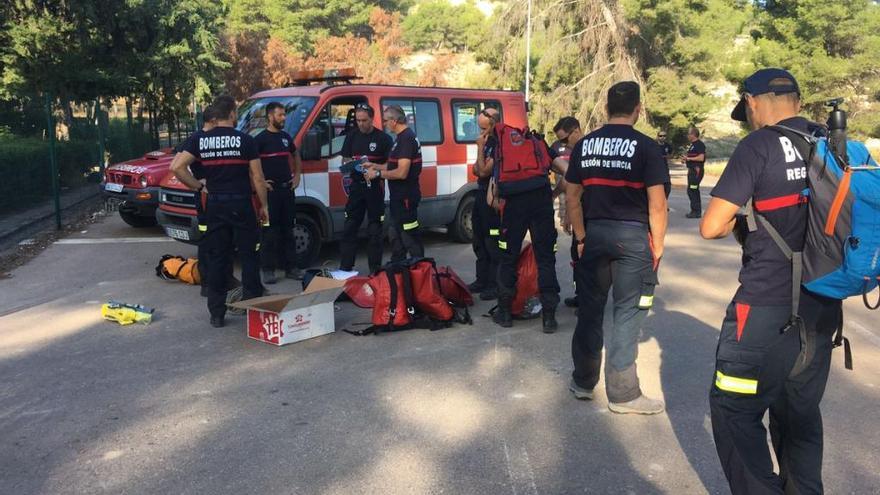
<point>133,186</point>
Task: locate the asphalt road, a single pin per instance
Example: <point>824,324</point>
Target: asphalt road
<point>87,406</point>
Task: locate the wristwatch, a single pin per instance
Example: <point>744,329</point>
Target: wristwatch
<point>580,241</point>
<point>378,174</point>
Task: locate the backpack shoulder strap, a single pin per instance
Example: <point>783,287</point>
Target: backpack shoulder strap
<point>796,257</point>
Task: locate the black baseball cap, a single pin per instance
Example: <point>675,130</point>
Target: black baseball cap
<point>759,84</point>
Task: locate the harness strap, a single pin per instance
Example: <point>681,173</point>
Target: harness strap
<point>180,268</point>
<point>796,258</point>
<point>392,309</point>
<point>865,296</point>
<point>839,340</point>
<point>408,296</point>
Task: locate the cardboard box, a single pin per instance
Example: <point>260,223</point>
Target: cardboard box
<point>284,319</point>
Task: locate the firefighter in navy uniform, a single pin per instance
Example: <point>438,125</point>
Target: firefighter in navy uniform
<point>364,198</point>
<point>667,150</point>
<point>528,206</point>
<point>402,173</point>
<point>209,121</point>
<point>232,170</point>
<point>759,366</point>
<point>282,169</point>
<point>486,222</point>
<point>695,160</point>
<point>617,207</point>
<point>568,132</point>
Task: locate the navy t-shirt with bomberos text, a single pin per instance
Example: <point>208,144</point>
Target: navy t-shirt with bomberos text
<point>406,146</point>
<point>225,154</point>
<point>275,149</point>
<point>766,167</point>
<point>616,164</point>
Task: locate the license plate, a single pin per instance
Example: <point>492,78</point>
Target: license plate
<point>110,186</point>
<point>177,233</point>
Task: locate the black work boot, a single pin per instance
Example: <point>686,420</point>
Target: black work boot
<point>489,294</point>
<point>502,314</point>
<point>548,315</point>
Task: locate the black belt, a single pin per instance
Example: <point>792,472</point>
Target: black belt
<point>228,197</point>
<point>617,223</point>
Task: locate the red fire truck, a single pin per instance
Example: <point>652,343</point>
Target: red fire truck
<point>320,112</point>
<point>132,187</point>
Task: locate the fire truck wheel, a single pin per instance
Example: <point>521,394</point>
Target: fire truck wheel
<point>462,228</point>
<point>308,240</point>
<point>137,221</point>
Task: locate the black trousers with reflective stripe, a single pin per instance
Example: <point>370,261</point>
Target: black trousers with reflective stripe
<point>694,178</point>
<point>530,211</point>
<point>487,228</point>
<point>202,253</point>
<point>278,247</point>
<point>369,202</point>
<point>231,225</point>
<point>406,240</point>
<point>754,362</point>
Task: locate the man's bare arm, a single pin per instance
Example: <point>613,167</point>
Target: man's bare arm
<point>483,166</point>
<point>658,218</point>
<point>560,166</point>
<point>295,163</point>
<point>398,173</point>
<point>180,168</point>
<point>719,219</point>
<point>258,181</point>
<point>573,194</point>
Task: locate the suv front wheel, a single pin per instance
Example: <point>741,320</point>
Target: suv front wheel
<point>307,236</point>
<point>462,227</point>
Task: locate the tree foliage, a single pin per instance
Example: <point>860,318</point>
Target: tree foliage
<point>258,62</point>
<point>685,48</point>
<point>301,23</point>
<point>166,53</point>
<point>437,24</point>
<point>163,50</point>
<point>577,53</point>
<point>832,48</point>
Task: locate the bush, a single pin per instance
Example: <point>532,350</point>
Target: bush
<point>25,169</point>
<point>123,143</point>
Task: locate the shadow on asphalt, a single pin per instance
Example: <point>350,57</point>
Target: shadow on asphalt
<point>687,361</point>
